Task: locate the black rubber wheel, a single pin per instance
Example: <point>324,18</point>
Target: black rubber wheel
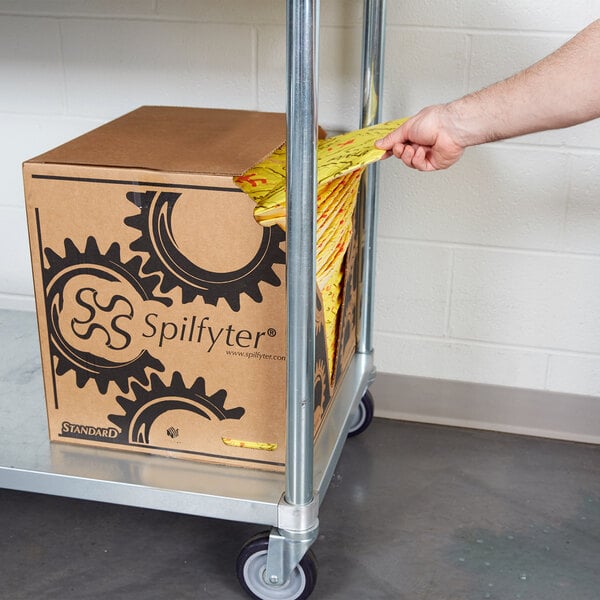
<point>364,415</point>
<point>251,567</point>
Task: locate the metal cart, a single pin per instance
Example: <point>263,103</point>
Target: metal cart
<point>279,564</point>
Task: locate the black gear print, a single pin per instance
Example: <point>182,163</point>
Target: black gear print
<point>321,383</point>
<point>141,412</point>
<point>158,242</point>
<point>321,387</point>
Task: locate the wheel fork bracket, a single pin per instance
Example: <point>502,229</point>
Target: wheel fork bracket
<point>288,543</point>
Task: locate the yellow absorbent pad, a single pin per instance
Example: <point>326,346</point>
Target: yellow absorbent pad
<point>341,161</point>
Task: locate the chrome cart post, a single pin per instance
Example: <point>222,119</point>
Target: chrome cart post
<point>372,87</point>
<point>298,523</point>
<point>301,246</point>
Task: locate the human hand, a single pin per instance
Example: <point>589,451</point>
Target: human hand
<point>428,141</point>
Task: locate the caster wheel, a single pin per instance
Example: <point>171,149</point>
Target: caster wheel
<point>363,416</point>
<point>252,565</point>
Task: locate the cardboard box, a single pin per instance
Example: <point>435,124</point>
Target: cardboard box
<point>161,302</point>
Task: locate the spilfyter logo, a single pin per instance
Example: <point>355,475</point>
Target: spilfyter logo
<point>117,338</point>
<point>90,299</point>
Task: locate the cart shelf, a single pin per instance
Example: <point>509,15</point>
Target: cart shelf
<point>30,462</point>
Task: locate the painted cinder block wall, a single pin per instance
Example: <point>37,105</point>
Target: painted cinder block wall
<point>488,272</point>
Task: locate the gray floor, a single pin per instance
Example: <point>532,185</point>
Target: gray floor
<point>414,512</point>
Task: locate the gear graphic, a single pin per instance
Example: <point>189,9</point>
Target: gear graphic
<point>157,240</point>
<point>322,387</point>
<point>141,412</point>
<point>321,390</point>
<point>108,269</point>
<point>318,321</point>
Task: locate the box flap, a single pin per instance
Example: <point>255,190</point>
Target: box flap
<point>178,139</point>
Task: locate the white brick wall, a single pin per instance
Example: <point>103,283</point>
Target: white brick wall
<point>518,221</point>
<point>488,272</point>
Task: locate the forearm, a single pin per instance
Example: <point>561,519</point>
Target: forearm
<point>561,90</point>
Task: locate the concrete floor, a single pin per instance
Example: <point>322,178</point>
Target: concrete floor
<point>414,512</point>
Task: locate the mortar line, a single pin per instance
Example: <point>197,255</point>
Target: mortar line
<point>256,65</point>
<point>63,67</point>
<point>568,186</point>
<point>547,372</point>
<point>492,345</point>
<point>450,295</point>
<point>468,63</point>
<point>490,248</point>
<point>484,31</point>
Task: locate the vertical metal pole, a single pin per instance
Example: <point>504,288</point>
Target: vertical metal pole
<point>372,87</point>
<point>302,47</point>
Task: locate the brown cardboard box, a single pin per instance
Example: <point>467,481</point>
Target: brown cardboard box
<point>161,302</point>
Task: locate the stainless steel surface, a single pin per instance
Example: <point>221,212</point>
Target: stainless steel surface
<point>372,87</point>
<point>29,462</point>
<point>302,27</point>
<point>332,436</point>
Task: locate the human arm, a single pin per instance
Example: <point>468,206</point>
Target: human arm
<point>560,90</point>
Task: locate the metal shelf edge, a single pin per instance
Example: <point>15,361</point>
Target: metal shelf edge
<point>332,436</point>
<point>141,496</point>
<point>29,462</point>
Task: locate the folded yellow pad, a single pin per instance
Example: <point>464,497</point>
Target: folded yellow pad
<point>341,161</point>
